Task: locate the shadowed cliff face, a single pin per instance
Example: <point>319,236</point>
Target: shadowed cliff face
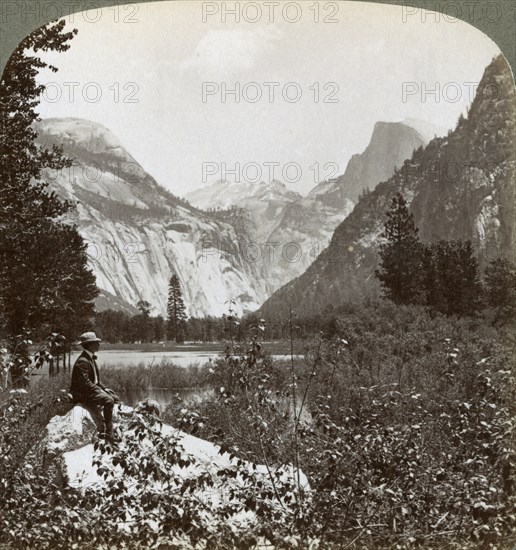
<point>310,222</point>
<point>458,187</point>
<point>139,233</point>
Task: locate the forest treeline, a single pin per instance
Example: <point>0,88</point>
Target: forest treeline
<point>443,276</point>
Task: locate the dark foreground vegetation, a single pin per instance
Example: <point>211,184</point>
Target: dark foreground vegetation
<point>402,420</point>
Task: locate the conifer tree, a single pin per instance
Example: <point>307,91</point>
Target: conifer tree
<point>33,284</point>
<point>500,277</point>
<point>466,292</point>
<point>65,297</point>
<point>451,280</point>
<point>175,311</point>
<point>400,255</point>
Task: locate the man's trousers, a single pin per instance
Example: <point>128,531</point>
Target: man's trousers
<point>100,406</point>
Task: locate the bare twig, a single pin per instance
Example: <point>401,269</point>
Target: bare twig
<point>294,403</point>
<point>271,477</point>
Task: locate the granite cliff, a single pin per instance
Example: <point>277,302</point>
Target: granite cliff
<point>461,186</point>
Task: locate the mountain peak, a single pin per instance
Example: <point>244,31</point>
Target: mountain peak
<point>384,130</point>
<point>138,233</point>
<point>385,124</point>
<point>73,133</point>
<point>73,122</point>
<point>390,145</point>
<point>225,194</point>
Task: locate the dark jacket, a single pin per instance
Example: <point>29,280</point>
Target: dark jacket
<point>83,378</point>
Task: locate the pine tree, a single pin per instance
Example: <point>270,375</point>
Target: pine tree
<point>43,265</point>
<point>400,255</point>
<point>467,288</point>
<point>451,278</point>
<point>65,297</point>
<point>175,311</point>
<point>500,277</point>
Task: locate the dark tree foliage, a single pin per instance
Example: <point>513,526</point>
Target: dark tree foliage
<point>144,307</point>
<point>451,278</point>
<point>44,279</point>
<point>500,277</point>
<point>158,328</point>
<point>400,256</point>
<point>21,159</point>
<point>175,311</point>
<point>119,326</point>
<point>112,325</point>
<point>67,287</point>
<point>143,323</point>
<point>443,275</point>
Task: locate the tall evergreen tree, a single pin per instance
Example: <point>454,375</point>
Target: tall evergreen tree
<point>400,255</point>
<point>500,277</point>
<point>43,265</point>
<point>175,310</point>
<point>67,288</point>
<point>451,280</point>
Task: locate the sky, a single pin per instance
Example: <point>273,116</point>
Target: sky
<point>308,84</point>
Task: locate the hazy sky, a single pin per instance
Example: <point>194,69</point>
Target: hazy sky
<point>148,64</point>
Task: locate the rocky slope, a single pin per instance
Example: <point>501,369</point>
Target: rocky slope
<point>254,239</point>
<point>290,230</point>
<point>139,234</point>
<point>461,186</point>
<point>224,194</point>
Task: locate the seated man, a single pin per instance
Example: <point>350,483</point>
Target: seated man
<point>87,390</point>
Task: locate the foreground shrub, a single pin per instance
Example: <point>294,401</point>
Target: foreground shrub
<point>24,415</point>
<point>402,420</point>
<point>148,499</point>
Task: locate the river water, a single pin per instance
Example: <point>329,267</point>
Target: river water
<point>128,358</point>
<point>182,358</point>
<point>132,358</point>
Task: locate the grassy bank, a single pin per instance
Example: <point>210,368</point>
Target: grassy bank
<point>277,347</point>
<point>166,375</point>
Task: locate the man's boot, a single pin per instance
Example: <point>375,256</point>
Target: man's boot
<point>111,436</point>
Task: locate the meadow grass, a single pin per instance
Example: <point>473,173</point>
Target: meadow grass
<point>128,380</point>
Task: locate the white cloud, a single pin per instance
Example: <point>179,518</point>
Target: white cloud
<point>230,51</point>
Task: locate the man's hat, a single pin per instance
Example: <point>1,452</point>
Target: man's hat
<point>88,337</point>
